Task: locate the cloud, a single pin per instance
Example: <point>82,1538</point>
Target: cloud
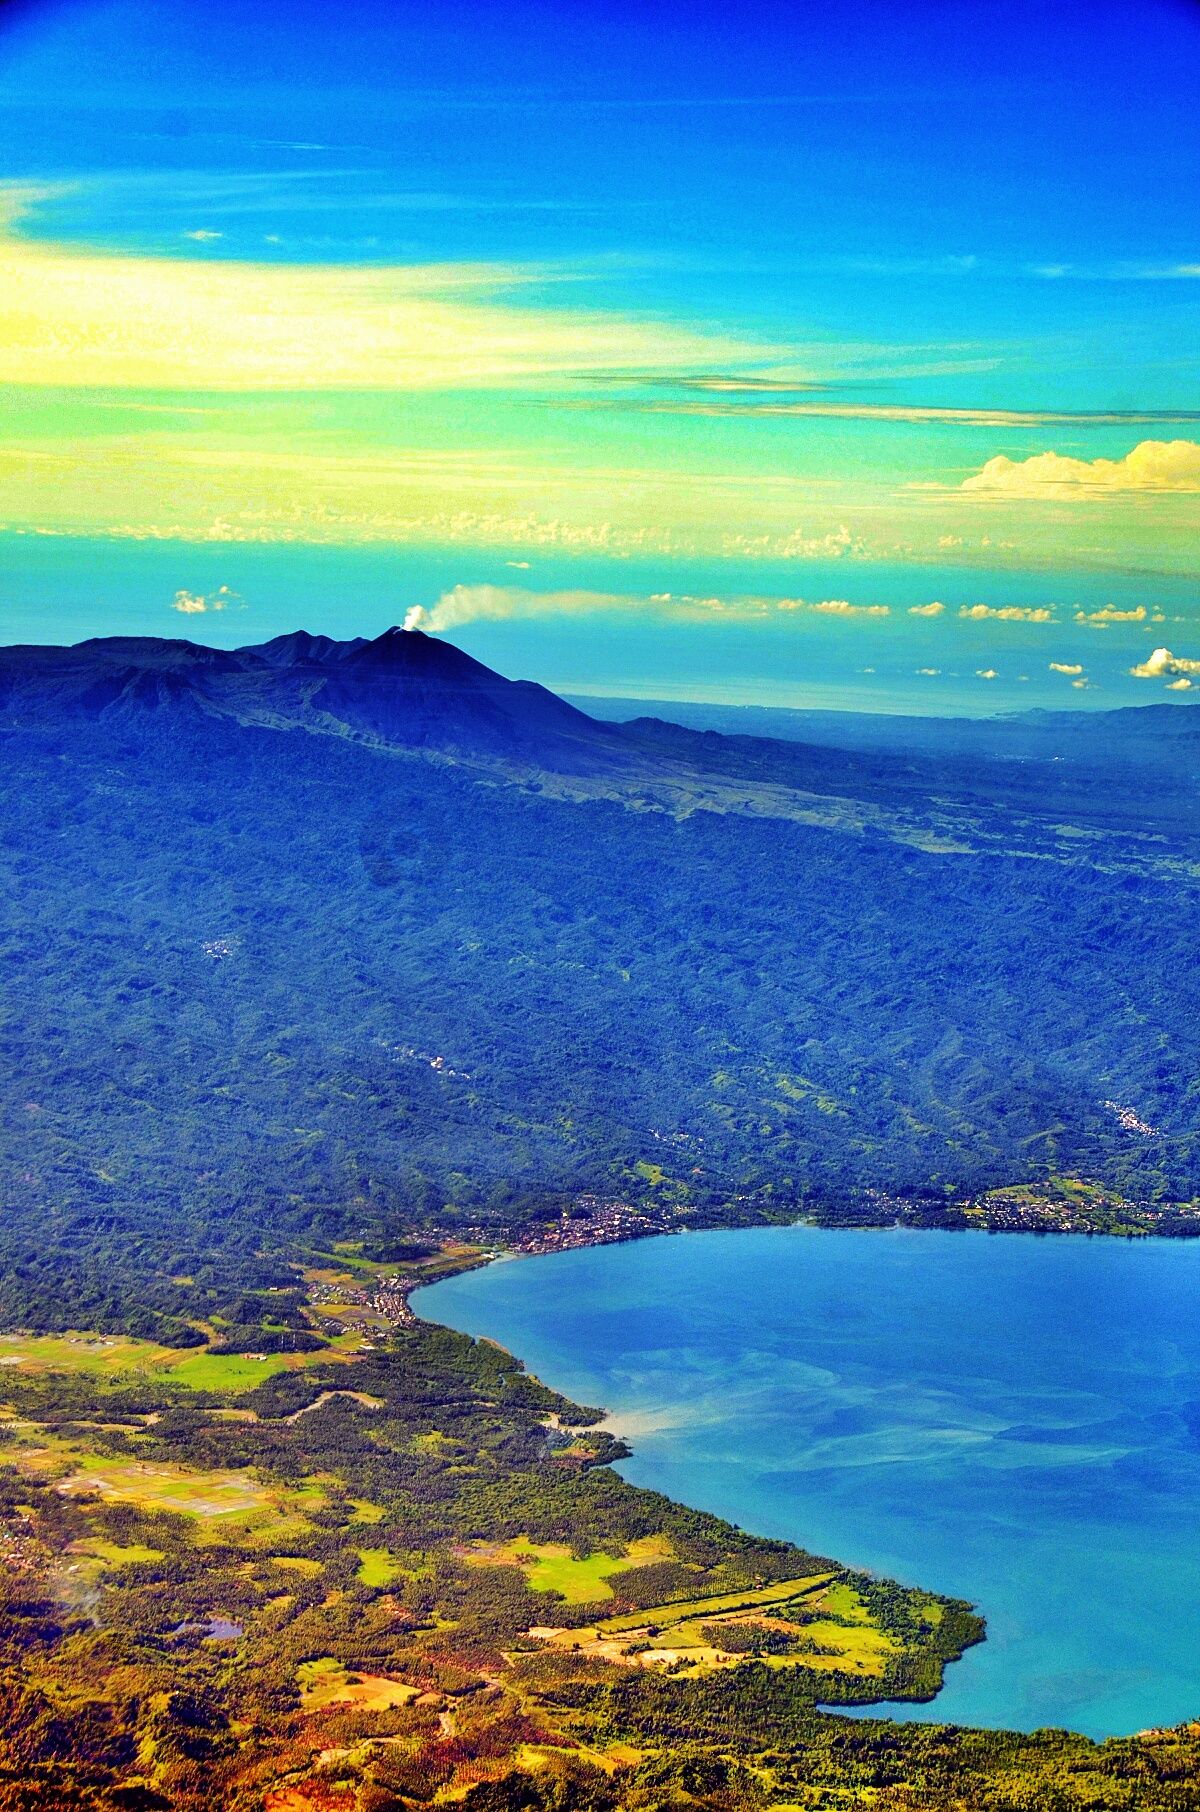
<point>926,610</point>
<point>929,414</point>
<point>1182,684</point>
<point>1006,613</point>
<point>840,543</point>
<point>929,672</point>
<point>81,317</point>
<point>1153,465</point>
<point>204,235</point>
<point>1066,667</point>
<point>1162,664</point>
<point>837,607</point>
<point>986,673</point>
<point>193,604</point>
<point>1108,613</point>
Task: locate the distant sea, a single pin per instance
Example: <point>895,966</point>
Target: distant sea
<point>1009,1419</point>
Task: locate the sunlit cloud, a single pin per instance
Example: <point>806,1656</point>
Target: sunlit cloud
<point>1162,664</point>
<point>1067,667</point>
<point>1153,465</point>
<point>933,609</point>
<point>988,673</point>
<point>1006,613</point>
<point>195,604</point>
<point>1111,613</point>
<point>81,317</point>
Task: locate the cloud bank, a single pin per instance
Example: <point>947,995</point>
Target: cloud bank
<point>1153,465</point>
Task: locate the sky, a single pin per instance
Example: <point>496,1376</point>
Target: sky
<point>844,355</point>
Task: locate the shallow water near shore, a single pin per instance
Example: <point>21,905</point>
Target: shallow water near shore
<point>1008,1419</point>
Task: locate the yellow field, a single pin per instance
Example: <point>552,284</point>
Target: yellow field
<point>327,1682</point>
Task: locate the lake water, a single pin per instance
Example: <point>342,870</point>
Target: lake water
<point>1008,1419</point>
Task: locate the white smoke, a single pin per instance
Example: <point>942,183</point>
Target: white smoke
<point>499,603</point>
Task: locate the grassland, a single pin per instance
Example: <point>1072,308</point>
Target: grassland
<point>325,1683</point>
<point>554,1567</point>
<point>116,1357</point>
<point>229,1497</point>
<point>817,1622</point>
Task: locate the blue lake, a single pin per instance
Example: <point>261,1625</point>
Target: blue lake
<point>1008,1419</point>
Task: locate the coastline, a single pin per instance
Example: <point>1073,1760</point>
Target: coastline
<point>683,1457</point>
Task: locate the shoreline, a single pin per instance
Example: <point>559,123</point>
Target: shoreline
<point>894,1710</point>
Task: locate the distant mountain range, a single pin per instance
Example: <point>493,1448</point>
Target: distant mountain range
<point>1139,731</point>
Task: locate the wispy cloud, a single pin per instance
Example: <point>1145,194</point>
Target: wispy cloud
<point>752,403</point>
<point>84,318</point>
<point>1153,465</point>
<point>1129,270</point>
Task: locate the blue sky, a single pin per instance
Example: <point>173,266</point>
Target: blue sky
<point>695,350</point>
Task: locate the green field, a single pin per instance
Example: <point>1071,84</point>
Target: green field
<point>102,1356</point>
<point>722,1604</point>
<point>553,1567</point>
<point>376,1567</point>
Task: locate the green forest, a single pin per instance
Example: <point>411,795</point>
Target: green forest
<point>296,1019</point>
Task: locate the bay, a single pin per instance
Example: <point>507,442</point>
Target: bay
<point>1007,1419</point>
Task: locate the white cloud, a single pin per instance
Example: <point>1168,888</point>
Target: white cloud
<point>1108,613</point>
<point>838,607</point>
<point>1162,664</point>
<point>1067,667</point>
<point>839,544</point>
<point>204,235</point>
<point>1006,613</point>
<point>986,673</point>
<point>926,610</point>
<point>1153,465</point>
<point>929,672</point>
<point>193,604</point>
<point>1182,684</point>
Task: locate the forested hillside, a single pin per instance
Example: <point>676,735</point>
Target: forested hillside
<point>266,983</point>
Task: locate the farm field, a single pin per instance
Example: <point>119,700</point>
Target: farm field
<point>817,1621</point>
<point>577,1579</point>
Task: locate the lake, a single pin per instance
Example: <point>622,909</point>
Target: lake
<point>1007,1419</point>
